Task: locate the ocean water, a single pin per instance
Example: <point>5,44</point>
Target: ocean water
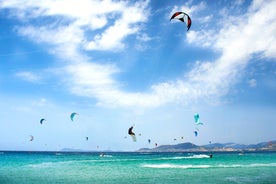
<point>169,168</point>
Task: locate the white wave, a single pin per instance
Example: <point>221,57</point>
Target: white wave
<point>185,157</point>
<point>264,165</point>
<point>49,164</point>
<point>42,165</point>
<point>169,158</point>
<point>247,165</point>
<point>175,166</point>
<point>177,158</point>
<point>59,154</point>
<point>199,156</point>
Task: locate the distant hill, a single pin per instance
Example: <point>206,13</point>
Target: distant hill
<point>190,147</point>
<point>71,150</point>
<point>81,150</point>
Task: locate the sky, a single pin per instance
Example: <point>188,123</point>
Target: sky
<point>123,63</point>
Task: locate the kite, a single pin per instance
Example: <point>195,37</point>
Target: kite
<point>87,138</point>
<point>197,122</point>
<point>31,138</point>
<point>195,133</point>
<point>73,115</point>
<point>132,134</point>
<point>149,141</point>
<point>183,17</point>
<point>41,121</point>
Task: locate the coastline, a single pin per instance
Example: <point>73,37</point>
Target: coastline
<point>182,147</point>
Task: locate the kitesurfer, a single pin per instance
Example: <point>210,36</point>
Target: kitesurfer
<point>132,134</point>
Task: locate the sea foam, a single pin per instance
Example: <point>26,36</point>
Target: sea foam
<point>176,166</point>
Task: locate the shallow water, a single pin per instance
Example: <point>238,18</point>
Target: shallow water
<point>50,167</point>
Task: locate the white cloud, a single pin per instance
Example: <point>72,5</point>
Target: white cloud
<point>112,38</point>
<point>65,39</point>
<point>205,38</point>
<point>39,102</point>
<point>187,8</point>
<point>252,83</point>
<point>118,19</point>
<point>28,76</point>
<point>237,40</point>
<point>144,37</point>
<point>207,80</point>
<point>237,43</point>
<point>89,79</point>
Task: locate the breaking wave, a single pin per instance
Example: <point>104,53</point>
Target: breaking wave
<point>186,157</point>
<point>176,166</point>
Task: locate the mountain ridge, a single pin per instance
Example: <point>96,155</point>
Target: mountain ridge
<point>190,147</point>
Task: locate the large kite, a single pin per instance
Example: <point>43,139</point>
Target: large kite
<point>183,17</point>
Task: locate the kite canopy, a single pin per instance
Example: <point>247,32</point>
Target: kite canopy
<point>195,133</point>
<point>31,138</point>
<point>130,132</point>
<point>41,121</point>
<point>183,17</point>
<point>72,116</point>
<point>197,122</point>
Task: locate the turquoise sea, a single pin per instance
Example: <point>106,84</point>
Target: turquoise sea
<point>122,167</point>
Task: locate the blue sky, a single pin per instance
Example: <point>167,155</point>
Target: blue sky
<point>119,63</point>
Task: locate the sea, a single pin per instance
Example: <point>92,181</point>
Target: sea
<point>135,167</point>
